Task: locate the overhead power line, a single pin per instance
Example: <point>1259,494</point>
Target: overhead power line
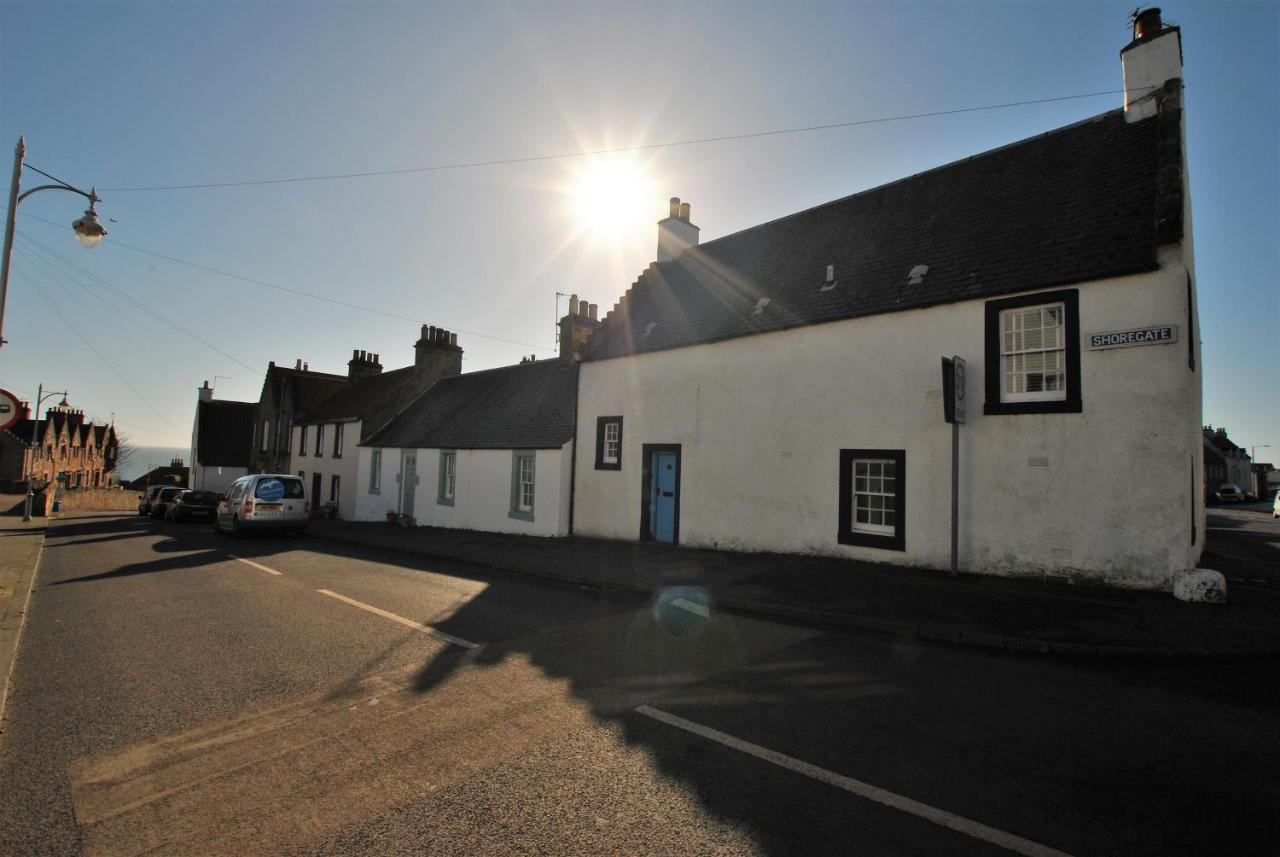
<point>66,263</point>
<point>252,281</point>
<point>748,135</point>
<point>106,359</point>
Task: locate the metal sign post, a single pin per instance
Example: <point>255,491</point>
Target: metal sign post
<point>953,395</point>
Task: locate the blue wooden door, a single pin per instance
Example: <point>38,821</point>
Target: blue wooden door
<point>663,518</point>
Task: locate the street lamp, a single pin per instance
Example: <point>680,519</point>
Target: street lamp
<point>89,232</point>
<point>41,395</point>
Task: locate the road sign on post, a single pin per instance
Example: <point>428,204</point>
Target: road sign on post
<point>953,405</point>
<point>10,409</point>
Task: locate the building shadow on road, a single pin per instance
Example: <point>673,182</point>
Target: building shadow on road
<point>935,724</point>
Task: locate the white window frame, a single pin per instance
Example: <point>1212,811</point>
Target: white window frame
<point>612,442</point>
<point>1013,345</point>
<point>870,496</point>
<point>525,488</point>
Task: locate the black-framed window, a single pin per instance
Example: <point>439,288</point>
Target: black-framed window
<point>302,441</point>
<point>337,440</point>
<point>873,498</point>
<point>335,489</point>
<point>319,440</point>
<point>1033,354</point>
<point>609,443</point>
<point>375,472</point>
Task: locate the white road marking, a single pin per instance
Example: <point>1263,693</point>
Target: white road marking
<point>940,817</point>
<point>258,566</point>
<point>408,623</point>
<point>692,607</point>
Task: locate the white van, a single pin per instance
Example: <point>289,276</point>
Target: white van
<point>263,501</point>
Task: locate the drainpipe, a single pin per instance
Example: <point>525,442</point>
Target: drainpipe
<point>573,460</point>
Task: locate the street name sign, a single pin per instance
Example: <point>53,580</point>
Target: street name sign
<point>1142,336</point>
<point>953,389</point>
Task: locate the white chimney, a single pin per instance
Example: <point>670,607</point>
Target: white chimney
<point>675,232</point>
<point>1152,58</point>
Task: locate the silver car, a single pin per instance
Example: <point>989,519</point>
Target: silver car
<point>263,501</point>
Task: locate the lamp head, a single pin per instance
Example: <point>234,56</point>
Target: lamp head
<point>89,232</point>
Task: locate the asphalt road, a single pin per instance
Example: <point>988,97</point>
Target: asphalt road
<point>171,698</point>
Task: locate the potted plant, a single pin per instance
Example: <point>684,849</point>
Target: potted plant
<point>392,517</point>
<point>406,520</point>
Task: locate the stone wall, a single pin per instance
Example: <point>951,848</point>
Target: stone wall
<point>104,499</point>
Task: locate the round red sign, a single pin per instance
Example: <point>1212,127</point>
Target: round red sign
<point>10,409</point>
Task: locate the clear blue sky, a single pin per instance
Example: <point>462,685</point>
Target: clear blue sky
<point>125,95</point>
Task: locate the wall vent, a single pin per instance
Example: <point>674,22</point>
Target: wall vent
<point>1037,462</point>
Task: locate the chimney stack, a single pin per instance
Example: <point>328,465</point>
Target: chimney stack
<point>206,393</point>
<point>576,328</point>
<point>1150,61</point>
<point>675,232</point>
<point>362,364</point>
<point>437,353</point>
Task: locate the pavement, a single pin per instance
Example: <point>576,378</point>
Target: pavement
<point>20,545</point>
<point>1036,616</point>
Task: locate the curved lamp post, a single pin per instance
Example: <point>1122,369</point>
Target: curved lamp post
<point>89,232</point>
<point>41,395</point>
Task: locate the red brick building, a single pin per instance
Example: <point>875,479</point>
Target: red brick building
<point>68,448</point>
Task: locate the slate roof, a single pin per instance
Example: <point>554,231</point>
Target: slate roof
<point>309,388</point>
<point>1075,204</point>
<point>527,406</point>
<point>373,400</point>
<point>225,437</point>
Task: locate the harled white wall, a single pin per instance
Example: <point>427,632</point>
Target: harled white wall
<point>345,467</point>
<point>482,496</point>
<point>762,419</point>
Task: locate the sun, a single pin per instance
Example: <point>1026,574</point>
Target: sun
<point>611,196</point>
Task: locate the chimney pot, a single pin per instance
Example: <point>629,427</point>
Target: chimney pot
<point>573,304</point>
<point>453,339</point>
<point>298,365</point>
<point>306,367</point>
<point>684,211</point>
<point>375,358</point>
<point>591,311</point>
<point>424,332</point>
<point>1147,23</point>
<point>675,207</point>
<point>355,354</point>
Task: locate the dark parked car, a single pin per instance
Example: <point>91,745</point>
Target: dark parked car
<point>160,504</point>
<point>189,505</point>
<point>145,500</point>
<point>1229,493</point>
